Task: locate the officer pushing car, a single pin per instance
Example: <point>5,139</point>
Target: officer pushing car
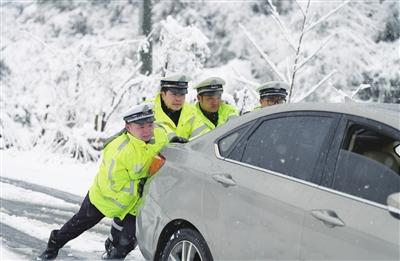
<point>210,108</point>
<point>272,93</point>
<point>116,190</point>
<point>172,112</point>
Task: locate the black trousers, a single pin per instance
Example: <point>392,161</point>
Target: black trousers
<point>122,235</point>
<point>122,231</point>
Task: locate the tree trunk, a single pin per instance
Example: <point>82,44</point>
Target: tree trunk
<point>146,27</point>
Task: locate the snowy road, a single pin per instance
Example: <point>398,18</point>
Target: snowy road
<point>29,212</point>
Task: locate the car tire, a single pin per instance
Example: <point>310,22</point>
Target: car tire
<point>183,240</point>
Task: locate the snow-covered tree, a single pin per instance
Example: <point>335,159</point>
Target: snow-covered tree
<point>68,69</point>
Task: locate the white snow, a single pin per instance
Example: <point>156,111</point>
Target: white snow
<point>7,254</point>
<point>25,195</point>
<point>53,171</point>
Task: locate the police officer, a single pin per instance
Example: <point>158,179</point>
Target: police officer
<point>177,117</point>
<point>272,93</point>
<point>211,109</point>
<point>116,190</point>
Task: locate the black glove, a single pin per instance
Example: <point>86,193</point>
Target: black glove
<point>177,139</point>
<point>142,182</point>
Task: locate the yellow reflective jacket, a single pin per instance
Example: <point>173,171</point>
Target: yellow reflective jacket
<point>189,124</point>
<point>225,113</point>
<point>125,163</point>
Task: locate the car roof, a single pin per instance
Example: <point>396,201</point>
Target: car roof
<point>388,114</point>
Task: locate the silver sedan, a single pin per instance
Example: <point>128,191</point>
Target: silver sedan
<point>293,181</point>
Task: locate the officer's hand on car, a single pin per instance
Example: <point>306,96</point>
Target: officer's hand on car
<point>142,182</point>
<point>177,139</point>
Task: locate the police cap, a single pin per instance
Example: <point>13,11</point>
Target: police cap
<point>177,84</point>
<point>273,89</point>
<point>210,86</point>
<point>140,114</point>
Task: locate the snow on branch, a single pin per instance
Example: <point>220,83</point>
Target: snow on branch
<point>247,83</point>
<point>263,54</point>
<point>284,30</point>
<point>315,87</point>
<point>183,48</point>
<point>121,94</point>
<point>359,88</point>
<point>306,60</point>
<point>323,18</point>
<point>349,97</point>
<point>119,43</point>
<point>51,49</point>
<point>298,52</point>
<point>300,7</point>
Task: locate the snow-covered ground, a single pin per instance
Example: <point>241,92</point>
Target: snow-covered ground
<point>55,172</point>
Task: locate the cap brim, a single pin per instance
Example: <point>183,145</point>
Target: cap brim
<point>143,120</point>
<point>210,93</point>
<point>271,95</point>
<point>178,90</point>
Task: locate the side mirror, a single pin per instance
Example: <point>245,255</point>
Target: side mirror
<point>393,203</point>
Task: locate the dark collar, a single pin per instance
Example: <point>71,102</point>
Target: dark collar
<point>173,115</point>
<point>212,116</point>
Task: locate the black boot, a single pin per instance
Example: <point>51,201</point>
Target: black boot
<point>119,252</point>
<point>108,246</point>
<point>51,251</point>
<point>114,254</point>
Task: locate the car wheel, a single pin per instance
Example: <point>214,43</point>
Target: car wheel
<point>186,244</point>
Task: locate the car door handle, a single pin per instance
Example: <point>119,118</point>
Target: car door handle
<point>224,179</point>
<point>328,217</point>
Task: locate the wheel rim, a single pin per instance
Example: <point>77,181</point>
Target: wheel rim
<point>185,251</point>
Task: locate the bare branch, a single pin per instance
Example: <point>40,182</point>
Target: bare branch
<point>119,43</point>
<point>240,78</point>
<point>350,97</point>
<point>121,95</point>
<point>359,88</point>
<point>323,18</point>
<point>252,91</point>
<point>272,6</point>
<point>315,87</point>
<point>298,52</point>
<point>300,7</point>
<point>288,73</point>
<point>346,97</point>
<point>278,20</point>
<point>140,40</point>
<point>54,51</point>
<point>315,52</point>
<point>264,55</point>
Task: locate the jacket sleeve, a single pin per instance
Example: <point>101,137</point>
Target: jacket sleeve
<point>198,127</point>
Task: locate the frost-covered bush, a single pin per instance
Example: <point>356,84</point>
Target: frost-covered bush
<point>389,21</point>
<point>353,33</point>
<point>69,69</point>
<point>181,48</point>
<point>63,85</point>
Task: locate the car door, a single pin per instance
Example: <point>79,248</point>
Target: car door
<point>259,194</point>
<point>347,218</point>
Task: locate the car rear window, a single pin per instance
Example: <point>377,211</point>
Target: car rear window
<point>368,166</point>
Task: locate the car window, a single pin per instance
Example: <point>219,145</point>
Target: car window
<point>368,166</point>
<point>289,145</point>
<point>225,144</point>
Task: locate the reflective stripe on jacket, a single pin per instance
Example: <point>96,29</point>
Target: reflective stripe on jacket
<point>125,162</point>
<point>225,113</point>
<point>189,124</point>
